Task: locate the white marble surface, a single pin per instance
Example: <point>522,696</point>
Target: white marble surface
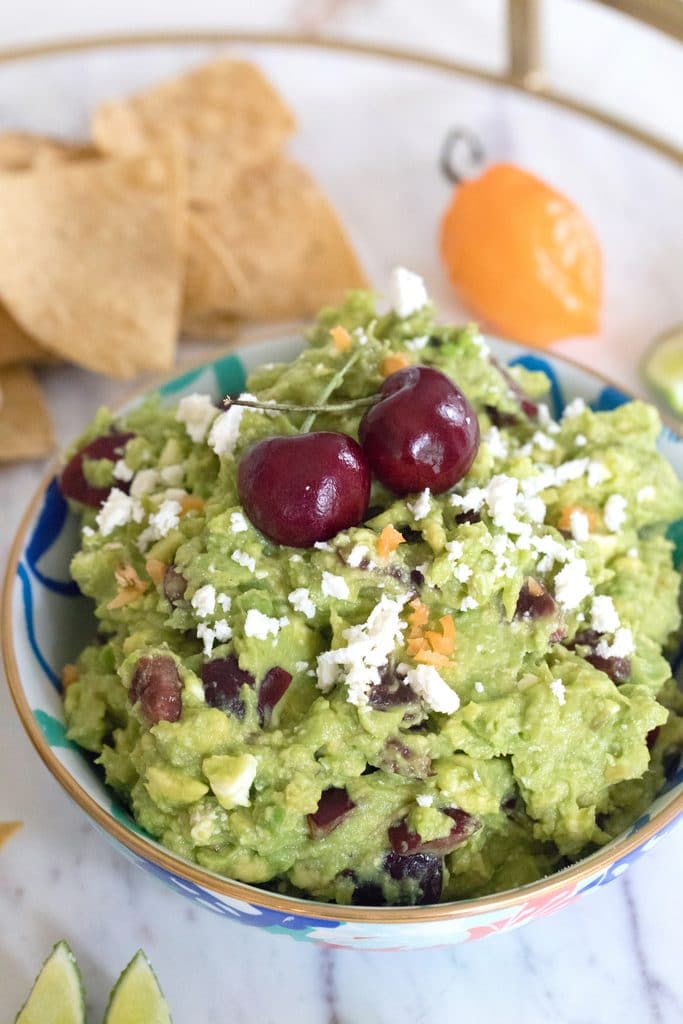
<point>614,955</point>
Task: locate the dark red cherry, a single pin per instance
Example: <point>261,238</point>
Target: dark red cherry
<point>422,433</point>
<point>156,684</point>
<point>333,806</point>
<point>403,840</point>
<point>72,482</point>
<point>306,488</point>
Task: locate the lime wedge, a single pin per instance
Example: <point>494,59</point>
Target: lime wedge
<point>136,997</point>
<point>57,993</point>
<point>663,368</point>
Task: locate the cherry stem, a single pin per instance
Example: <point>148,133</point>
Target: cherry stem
<point>353,403</point>
<point>331,387</point>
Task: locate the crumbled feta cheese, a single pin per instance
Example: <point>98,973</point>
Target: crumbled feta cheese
<point>604,616</point>
<point>207,635</point>
<point>231,779</point>
<point>118,510</point>
<point>408,292</point>
<point>368,647</point>
<point>300,600</point>
<point>356,555</point>
<point>614,512</point>
<point>203,824</point>
<point>632,552</point>
<point>496,443</point>
<point>557,686</point>
<point>322,545</point>
<point>535,509</point>
<point>172,476</point>
<point>621,647</point>
<point>238,523</point>
<point>580,440</point>
<point>301,666</point>
<point>579,525</point>
<point>471,501</point>
<point>335,586</point>
<point>421,505</point>
<point>223,630</point>
<point>197,413</point>
<point>646,493</point>
<point>479,687</point>
<point>244,559</point>
<point>542,441</point>
<point>88,531</point>
<point>426,682</point>
<point>122,471</point>
<point>572,584</point>
<point>597,473</point>
<point>204,600</point>
<point>575,408</point>
<point>480,342</point>
<point>225,431</point>
<point>468,604</point>
<point>424,799</point>
<point>462,572</point>
<point>262,626</point>
<point>415,344</point>
<point>454,549</point>
<point>572,470</point>
<point>360,335</point>
<point>224,601</point>
<point>165,519</point>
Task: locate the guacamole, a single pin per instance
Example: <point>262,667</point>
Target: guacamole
<point>462,694</point>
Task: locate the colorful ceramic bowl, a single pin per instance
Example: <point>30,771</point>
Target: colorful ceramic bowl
<point>45,622</point>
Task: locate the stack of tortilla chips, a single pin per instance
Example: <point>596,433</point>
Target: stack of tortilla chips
<point>182,215</point>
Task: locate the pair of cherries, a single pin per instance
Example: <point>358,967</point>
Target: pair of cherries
<point>421,433</point>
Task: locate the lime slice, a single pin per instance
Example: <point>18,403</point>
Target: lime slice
<point>136,997</point>
<point>663,368</point>
<point>57,993</point>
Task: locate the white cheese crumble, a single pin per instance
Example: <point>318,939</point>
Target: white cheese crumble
<point>575,408</point>
<point>300,600</point>
<point>165,519</point>
<point>479,687</point>
<point>468,604</point>
<point>597,473</point>
<point>426,682</point>
<point>572,584</point>
<point>579,525</point>
<point>223,630</point>
<point>621,647</point>
<point>122,471</point>
<point>557,686</point>
<point>301,666</point>
<point>368,646</point>
<point>646,493</point>
<point>322,545</point>
<point>542,441</point>
<point>580,440</point>
<point>462,572</point>
<point>421,505</point>
<point>145,481</point>
<point>614,512</point>
<point>262,626</point>
<point>231,787</point>
<point>238,523</point>
<point>224,601</point>
<point>424,799</point>
<point>408,292</point>
<point>356,555</point>
<point>496,443</point>
<point>244,559</point>
<point>197,413</point>
<point>118,510</point>
<point>604,616</point>
<point>207,635</point>
<point>335,586</point>
<point>225,430</point>
<point>203,823</point>
<point>204,600</point>
<point>415,344</point>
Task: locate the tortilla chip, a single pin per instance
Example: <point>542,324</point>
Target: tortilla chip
<point>91,259</point>
<point>19,151</point>
<point>18,347</point>
<point>226,113</point>
<point>25,427</point>
<point>7,830</point>
<point>269,248</point>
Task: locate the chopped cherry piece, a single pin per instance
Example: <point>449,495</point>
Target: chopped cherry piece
<point>422,433</point>
<point>274,686</point>
<point>404,840</point>
<point>529,408</point>
<point>175,585</point>
<point>499,418</point>
<point>467,517</point>
<point>223,679</point>
<point>334,805</point>
<point>306,488</point>
<point>368,894</point>
<point>72,482</point>
<point>651,737</point>
<point>585,638</point>
<point>425,868</point>
<point>156,684</point>
<point>618,669</point>
<point>390,692</point>
<point>401,760</point>
<point>558,635</point>
<point>534,601</point>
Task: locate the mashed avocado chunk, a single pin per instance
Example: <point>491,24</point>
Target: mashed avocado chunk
<point>462,694</point>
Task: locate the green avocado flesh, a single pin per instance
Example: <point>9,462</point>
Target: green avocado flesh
<point>543,735</point>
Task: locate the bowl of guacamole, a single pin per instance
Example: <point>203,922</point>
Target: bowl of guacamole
<point>458,703</point>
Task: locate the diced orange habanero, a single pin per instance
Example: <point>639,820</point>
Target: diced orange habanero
<point>388,540</point>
